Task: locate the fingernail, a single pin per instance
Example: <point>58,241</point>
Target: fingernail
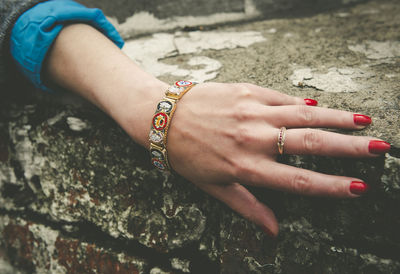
<point>268,232</point>
<point>358,188</point>
<point>362,120</point>
<point>311,102</point>
<point>378,147</point>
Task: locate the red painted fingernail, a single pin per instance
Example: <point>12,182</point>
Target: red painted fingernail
<point>378,147</point>
<point>358,188</point>
<point>268,232</point>
<point>362,120</point>
<point>311,102</point>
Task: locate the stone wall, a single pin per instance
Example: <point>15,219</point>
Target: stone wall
<point>77,195</point>
<point>122,10</point>
<point>138,17</point>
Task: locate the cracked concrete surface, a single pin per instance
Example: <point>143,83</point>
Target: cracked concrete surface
<point>78,194</point>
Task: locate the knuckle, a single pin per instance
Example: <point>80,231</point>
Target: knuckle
<point>244,90</point>
<point>301,183</point>
<point>240,171</point>
<point>359,148</point>
<point>242,112</point>
<point>306,114</point>
<point>242,136</point>
<point>312,141</point>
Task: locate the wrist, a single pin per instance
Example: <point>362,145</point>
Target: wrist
<point>134,108</point>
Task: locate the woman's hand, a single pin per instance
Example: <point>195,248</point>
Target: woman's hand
<point>224,136</point>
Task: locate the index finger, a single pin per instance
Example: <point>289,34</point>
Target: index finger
<point>275,98</point>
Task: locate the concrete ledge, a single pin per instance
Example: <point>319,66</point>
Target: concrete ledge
<point>137,17</point>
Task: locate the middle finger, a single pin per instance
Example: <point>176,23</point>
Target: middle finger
<point>319,142</point>
<point>307,116</point>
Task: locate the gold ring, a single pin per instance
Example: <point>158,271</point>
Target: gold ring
<point>281,139</point>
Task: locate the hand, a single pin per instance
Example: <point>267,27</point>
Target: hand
<point>224,136</point>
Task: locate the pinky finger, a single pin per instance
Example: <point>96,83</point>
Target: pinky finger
<point>243,202</point>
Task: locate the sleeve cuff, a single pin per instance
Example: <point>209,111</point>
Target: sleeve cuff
<point>36,29</point>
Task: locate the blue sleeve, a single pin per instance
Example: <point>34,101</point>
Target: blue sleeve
<point>36,29</point>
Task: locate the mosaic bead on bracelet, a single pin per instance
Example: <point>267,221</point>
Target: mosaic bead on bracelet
<point>161,121</point>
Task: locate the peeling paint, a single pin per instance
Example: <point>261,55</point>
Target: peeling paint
<point>391,176</point>
<point>170,208</point>
<point>25,150</point>
<point>149,52</point>
<point>157,270</point>
<point>58,117</point>
<point>182,265</point>
<point>76,124</point>
<point>378,50</point>
<point>48,237</point>
<point>335,80</point>
<point>7,175</point>
<point>198,41</point>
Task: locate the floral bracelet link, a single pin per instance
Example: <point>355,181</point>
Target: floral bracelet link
<point>161,122</point>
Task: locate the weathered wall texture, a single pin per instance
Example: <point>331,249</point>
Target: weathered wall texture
<point>122,9</point>
<point>78,196</point>
<point>138,17</point>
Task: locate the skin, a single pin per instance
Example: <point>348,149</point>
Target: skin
<point>222,136</point>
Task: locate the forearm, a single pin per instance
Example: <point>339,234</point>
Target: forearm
<point>86,62</point>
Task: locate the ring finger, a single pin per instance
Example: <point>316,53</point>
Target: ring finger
<point>309,141</point>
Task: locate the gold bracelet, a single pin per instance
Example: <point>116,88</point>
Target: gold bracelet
<point>161,122</point>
